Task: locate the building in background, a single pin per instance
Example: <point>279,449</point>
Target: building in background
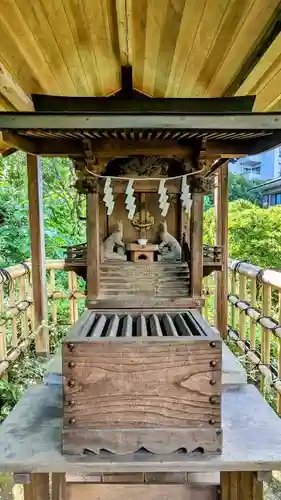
<point>271,192</point>
<point>263,166</point>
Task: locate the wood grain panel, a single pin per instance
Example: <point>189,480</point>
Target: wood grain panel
<point>208,28</point>
<point>14,23</point>
<point>40,27</point>
<point>138,492</point>
<point>234,14</point>
<point>62,33</point>
<point>138,20</point>
<point>171,28</point>
<point>154,29</point>
<point>246,36</point>
<point>102,25</point>
<point>142,383</point>
<point>190,22</point>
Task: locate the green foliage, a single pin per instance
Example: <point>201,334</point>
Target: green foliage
<point>62,208</point>
<point>254,233</point>
<point>238,189</point>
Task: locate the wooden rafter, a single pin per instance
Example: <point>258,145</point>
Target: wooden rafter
<point>14,94</point>
<point>124,20</point>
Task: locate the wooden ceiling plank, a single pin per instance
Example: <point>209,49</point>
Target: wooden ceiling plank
<point>205,36</point>
<point>15,24</point>
<point>4,104</point>
<point>13,92</point>
<point>75,13</point>
<point>270,94</point>
<point>104,44</point>
<point>235,12</point>
<point>138,27</point>
<point>13,60</point>
<point>245,37</point>
<point>39,25</point>
<point>111,30</point>
<point>190,22</point>
<point>173,19</point>
<point>154,28</point>
<point>264,71</point>
<point>62,33</point>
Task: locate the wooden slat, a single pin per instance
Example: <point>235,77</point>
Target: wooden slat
<point>12,301</point>
<point>279,354</point>
<point>24,314</point>
<point>53,302</point>
<point>248,28</point>
<point>113,326</point>
<point>266,334</point>
<point>3,340</point>
<point>169,325</point>
<point>221,210</point>
<point>99,326</point>
<point>181,324</point>
<point>36,224</point>
<point>14,22</point>
<point>141,326</point>
<point>253,302</point>
<point>12,91</point>
<point>38,488</point>
<point>197,245</point>
<point>242,314</point>
<point>155,325</point>
<point>93,248</point>
<point>127,328</point>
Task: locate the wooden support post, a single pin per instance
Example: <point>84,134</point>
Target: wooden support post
<point>93,246</point>
<point>38,488</point>
<point>37,242</point>
<point>240,486</point>
<point>197,245</point>
<point>221,214</point>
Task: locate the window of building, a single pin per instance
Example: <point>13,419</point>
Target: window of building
<point>252,170</point>
<point>278,199</point>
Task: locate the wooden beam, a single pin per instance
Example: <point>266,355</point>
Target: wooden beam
<point>13,92</point>
<point>137,117</point>
<point>93,245</point>
<point>228,149</point>
<point>124,31</point>
<point>120,148</point>
<point>104,105</point>
<point>221,216</point>
<point>197,245</point>
<point>36,224</point>
<point>14,140</point>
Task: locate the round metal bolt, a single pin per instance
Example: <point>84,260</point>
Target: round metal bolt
<point>212,382</point>
<point>218,433</point>
<point>211,421</point>
<point>71,364</point>
<point>72,420</point>
<point>213,363</point>
<point>212,400</point>
<point>71,382</point>
<point>218,450</point>
<point>212,344</point>
<point>70,346</point>
<point>71,403</point>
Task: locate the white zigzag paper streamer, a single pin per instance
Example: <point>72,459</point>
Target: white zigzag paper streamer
<point>108,196</point>
<point>163,198</point>
<point>130,201</point>
<point>185,196</point>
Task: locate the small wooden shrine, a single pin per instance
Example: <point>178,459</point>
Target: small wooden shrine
<point>142,370</point>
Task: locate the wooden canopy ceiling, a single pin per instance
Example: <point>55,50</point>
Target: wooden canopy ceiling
<point>177,48</point>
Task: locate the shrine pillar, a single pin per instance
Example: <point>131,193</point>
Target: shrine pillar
<point>93,246</point>
<point>221,239</point>
<point>196,244</point>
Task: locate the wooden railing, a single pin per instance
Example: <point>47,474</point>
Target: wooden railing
<point>254,321</point>
<point>254,314</point>
<point>17,331</point>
